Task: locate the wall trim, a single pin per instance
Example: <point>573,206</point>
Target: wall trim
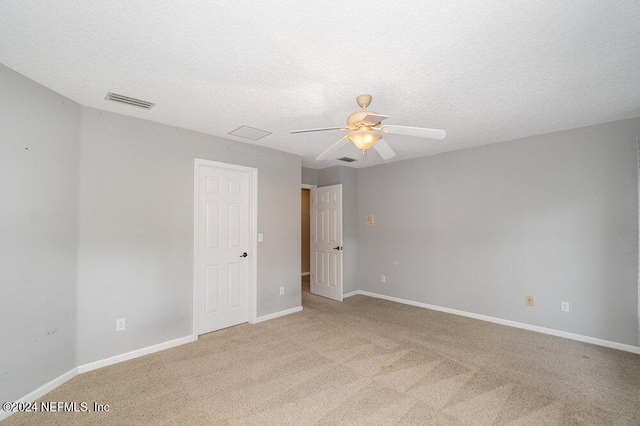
<point>58,381</point>
<point>306,186</point>
<point>305,274</point>
<point>277,315</point>
<point>544,330</point>
<point>48,387</point>
<point>42,390</point>
<point>135,354</point>
<point>352,293</point>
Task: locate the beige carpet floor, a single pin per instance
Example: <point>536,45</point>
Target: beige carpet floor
<point>364,361</point>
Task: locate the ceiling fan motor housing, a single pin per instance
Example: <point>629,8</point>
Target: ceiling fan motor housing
<point>356,120</point>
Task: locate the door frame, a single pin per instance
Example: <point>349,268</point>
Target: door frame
<point>307,186</point>
<point>253,235</point>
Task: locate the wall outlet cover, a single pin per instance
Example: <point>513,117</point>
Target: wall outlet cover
<point>120,324</point>
<point>528,300</point>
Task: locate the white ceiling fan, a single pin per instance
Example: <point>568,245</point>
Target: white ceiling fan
<point>362,125</point>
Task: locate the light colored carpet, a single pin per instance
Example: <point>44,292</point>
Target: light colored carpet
<point>364,361</point>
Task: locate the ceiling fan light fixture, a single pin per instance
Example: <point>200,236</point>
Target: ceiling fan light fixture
<point>362,123</point>
<point>364,139</point>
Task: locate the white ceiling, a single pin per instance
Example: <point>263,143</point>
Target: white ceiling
<point>485,71</point>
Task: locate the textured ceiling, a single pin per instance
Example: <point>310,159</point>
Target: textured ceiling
<point>485,71</point>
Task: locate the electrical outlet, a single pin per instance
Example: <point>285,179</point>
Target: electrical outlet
<point>120,324</point>
<point>529,300</point>
<point>260,237</point>
<point>383,278</point>
<point>281,291</point>
<point>564,306</point>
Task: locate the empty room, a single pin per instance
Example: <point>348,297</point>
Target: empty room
<point>319,212</point>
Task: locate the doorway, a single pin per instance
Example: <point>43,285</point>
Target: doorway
<point>305,221</point>
<point>305,237</point>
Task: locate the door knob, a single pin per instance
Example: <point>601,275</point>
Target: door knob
<point>337,248</point>
<point>244,254</point>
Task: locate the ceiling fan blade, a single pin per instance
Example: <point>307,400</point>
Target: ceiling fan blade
<point>373,119</point>
<point>320,130</point>
<point>328,154</point>
<point>420,132</point>
<point>384,149</point>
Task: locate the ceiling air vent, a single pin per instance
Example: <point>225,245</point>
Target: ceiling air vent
<point>129,101</point>
<point>347,159</point>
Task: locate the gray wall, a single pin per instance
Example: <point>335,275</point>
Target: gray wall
<point>38,234</point>
<point>97,224</point>
<point>136,230</point>
<point>553,216</point>
<point>348,177</point>
<point>309,176</point>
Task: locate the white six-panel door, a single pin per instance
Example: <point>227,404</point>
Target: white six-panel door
<point>326,241</point>
<point>223,246</point>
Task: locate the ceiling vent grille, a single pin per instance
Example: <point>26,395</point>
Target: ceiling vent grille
<point>347,159</point>
<point>129,101</point>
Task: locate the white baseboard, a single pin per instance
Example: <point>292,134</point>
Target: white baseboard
<point>48,387</point>
<point>134,354</point>
<point>277,314</point>
<point>43,390</point>
<point>305,274</point>
<point>353,293</point>
<point>544,330</point>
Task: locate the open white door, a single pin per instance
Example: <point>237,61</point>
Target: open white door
<point>224,253</point>
<point>326,241</point>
